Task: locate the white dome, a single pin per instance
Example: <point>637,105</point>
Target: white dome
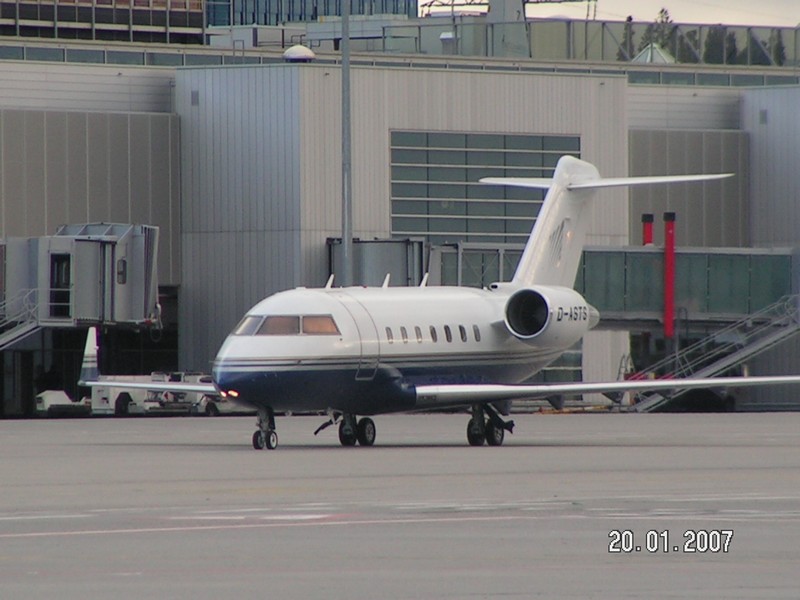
<point>299,53</point>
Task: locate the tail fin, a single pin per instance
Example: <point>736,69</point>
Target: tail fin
<point>89,368</point>
<point>553,251</point>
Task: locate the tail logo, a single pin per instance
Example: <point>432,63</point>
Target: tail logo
<point>556,241</point>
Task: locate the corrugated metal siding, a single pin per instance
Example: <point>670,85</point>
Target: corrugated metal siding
<point>67,167</point>
<point>241,206</point>
<point>111,88</point>
<point>670,107</point>
<point>713,214</point>
<point>770,116</point>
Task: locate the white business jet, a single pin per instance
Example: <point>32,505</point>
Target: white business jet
<point>367,351</point>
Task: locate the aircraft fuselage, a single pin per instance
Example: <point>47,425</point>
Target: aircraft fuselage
<point>362,350</point>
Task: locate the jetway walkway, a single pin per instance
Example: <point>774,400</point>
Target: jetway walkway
<point>724,350</point>
<point>22,322</point>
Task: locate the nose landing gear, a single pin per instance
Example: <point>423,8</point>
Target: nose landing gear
<point>265,436</point>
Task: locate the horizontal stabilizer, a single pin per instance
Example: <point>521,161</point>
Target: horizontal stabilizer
<point>544,183</point>
<point>633,181</point>
<point>539,183</point>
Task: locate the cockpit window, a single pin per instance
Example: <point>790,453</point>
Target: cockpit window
<point>247,326</point>
<point>319,325</point>
<point>280,325</point>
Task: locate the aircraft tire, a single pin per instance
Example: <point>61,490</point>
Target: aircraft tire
<point>474,437</point>
<point>212,410</point>
<point>259,440</point>
<point>347,438</point>
<point>272,440</point>
<point>366,432</point>
<point>494,435</point>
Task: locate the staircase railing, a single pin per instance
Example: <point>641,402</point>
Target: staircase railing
<point>724,349</point>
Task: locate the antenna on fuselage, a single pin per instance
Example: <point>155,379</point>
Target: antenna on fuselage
<point>386,280</point>
<point>424,282</point>
<point>329,285</point>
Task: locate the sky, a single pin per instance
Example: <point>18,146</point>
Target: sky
<point>781,13</point>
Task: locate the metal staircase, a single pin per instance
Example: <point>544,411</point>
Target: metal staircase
<point>22,321</point>
<point>723,350</point>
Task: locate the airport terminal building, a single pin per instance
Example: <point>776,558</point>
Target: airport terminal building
<point>235,156</point>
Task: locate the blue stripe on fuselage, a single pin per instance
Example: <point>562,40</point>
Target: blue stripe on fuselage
<point>346,386</point>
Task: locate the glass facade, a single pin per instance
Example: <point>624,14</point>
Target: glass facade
<point>436,194</point>
<point>278,12</point>
<point>717,284</point>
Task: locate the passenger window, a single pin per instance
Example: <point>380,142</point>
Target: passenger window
<point>418,331</point>
<point>247,326</point>
<point>389,335</point>
<point>280,325</point>
<point>434,335</point>
<point>404,335</point>
<point>476,332</point>
<point>447,334</point>
<point>319,325</point>
<point>463,331</point>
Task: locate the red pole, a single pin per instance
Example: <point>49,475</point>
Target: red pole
<point>669,275</point>
<point>647,229</point>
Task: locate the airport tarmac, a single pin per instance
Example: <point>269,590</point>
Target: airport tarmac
<point>699,506</point>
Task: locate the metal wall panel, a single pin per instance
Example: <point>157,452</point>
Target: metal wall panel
<point>65,167</point>
<point>770,117</point>
<point>119,172</point>
<point>240,218</point>
<point>690,107</point>
<point>712,214</point>
<point>56,169</point>
<point>111,88</point>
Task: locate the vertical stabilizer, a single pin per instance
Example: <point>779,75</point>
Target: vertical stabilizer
<point>553,251</point>
<point>89,368</point>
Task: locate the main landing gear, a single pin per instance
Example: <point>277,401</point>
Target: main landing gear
<point>352,431</point>
<point>486,425</point>
<point>265,436</point>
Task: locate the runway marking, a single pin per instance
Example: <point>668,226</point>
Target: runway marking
<point>244,517</point>
<point>789,516</point>
<point>42,517</point>
<point>281,524</point>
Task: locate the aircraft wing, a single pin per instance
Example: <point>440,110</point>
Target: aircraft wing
<point>154,386</point>
<point>432,396</point>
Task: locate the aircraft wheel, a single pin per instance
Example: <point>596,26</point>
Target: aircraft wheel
<point>475,436</point>
<point>494,435</point>
<point>366,432</point>
<point>347,435</point>
<point>212,410</point>
<point>272,440</point>
<point>259,440</point>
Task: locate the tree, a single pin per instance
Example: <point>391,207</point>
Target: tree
<point>625,50</point>
<point>659,32</point>
<point>720,46</point>
<point>776,47</point>
<point>688,47</point>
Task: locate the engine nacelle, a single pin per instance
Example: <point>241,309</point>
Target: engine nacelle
<point>554,315</point>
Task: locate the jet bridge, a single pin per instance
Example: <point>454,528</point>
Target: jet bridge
<point>88,274</point>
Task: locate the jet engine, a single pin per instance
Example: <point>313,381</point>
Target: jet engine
<point>552,315</point>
